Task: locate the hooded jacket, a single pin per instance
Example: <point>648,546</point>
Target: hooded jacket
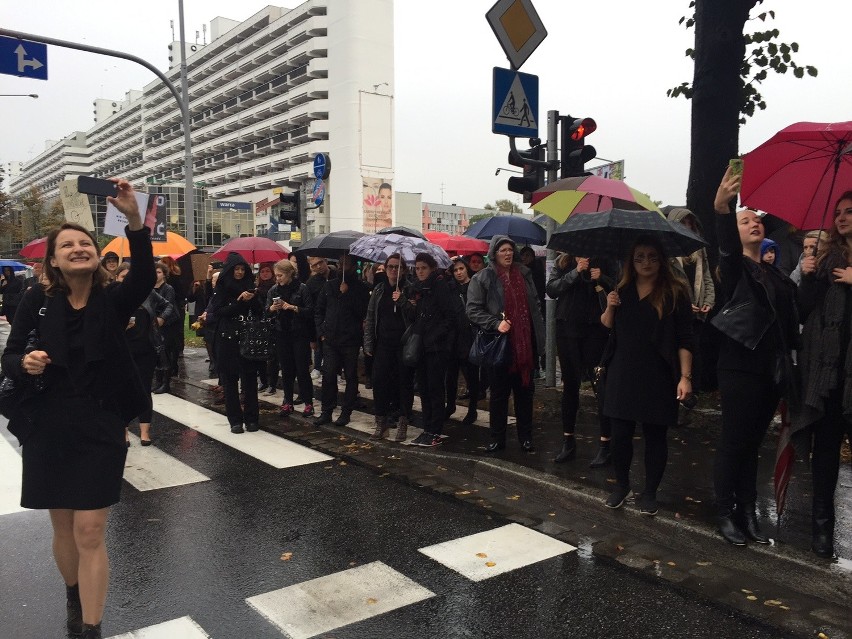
<point>579,305</point>
<point>485,297</point>
<point>435,313</point>
<point>225,307</point>
<point>702,291</point>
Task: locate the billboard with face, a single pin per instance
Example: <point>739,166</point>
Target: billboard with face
<point>378,204</point>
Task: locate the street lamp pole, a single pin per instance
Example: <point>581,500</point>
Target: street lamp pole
<point>189,191</point>
<point>18,95</point>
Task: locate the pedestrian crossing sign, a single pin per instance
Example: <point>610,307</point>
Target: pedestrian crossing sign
<point>515,103</point>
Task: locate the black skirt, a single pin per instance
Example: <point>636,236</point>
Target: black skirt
<point>74,457</point>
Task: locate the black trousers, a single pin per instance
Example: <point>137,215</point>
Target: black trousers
<point>335,358</point>
<point>825,460</point>
<point>502,383</point>
<point>236,371</point>
<point>749,401</point>
<point>294,357</point>
<point>577,359</point>
<point>471,379</point>
<point>431,374</point>
<point>393,381</point>
<point>656,452</point>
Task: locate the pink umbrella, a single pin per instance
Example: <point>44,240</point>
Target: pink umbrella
<point>35,249</point>
<point>800,172</point>
<point>253,250</point>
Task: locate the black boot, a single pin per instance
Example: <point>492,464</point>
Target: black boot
<point>74,610</point>
<point>91,631</point>
<point>822,527</point>
<point>165,387</point>
<point>569,450</point>
<point>747,520</point>
<point>729,530</point>
<point>603,458</point>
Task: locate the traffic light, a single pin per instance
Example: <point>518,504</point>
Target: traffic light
<point>533,173</point>
<point>575,152</point>
<point>289,212</point>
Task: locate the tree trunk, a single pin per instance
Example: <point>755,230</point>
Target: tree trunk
<point>716,100</point>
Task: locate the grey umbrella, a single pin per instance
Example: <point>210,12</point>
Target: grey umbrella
<point>612,233</point>
<point>377,248</point>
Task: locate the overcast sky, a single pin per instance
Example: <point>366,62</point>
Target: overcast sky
<point>612,61</point>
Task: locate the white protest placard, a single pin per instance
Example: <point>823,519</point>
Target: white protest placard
<point>153,209</point>
<point>76,205</point>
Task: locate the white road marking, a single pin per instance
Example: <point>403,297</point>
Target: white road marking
<point>149,468</point>
<point>495,552</point>
<point>321,605</point>
<point>263,446</point>
<point>182,628</point>
<point>10,479</point>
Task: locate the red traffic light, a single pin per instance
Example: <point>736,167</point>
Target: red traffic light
<point>583,127</point>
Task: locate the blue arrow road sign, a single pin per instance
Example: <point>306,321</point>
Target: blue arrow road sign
<point>515,103</point>
<point>322,166</point>
<point>23,58</point>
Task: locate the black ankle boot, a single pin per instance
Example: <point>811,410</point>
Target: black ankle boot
<point>91,631</point>
<point>603,458</point>
<point>74,610</point>
<point>748,523</point>
<point>729,530</point>
<point>569,450</point>
<point>822,530</point>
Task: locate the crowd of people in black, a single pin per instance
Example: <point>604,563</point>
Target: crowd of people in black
<point>639,330</point>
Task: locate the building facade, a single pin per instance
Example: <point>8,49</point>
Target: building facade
<point>266,96</point>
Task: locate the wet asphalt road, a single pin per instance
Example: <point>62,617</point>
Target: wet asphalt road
<point>201,549</point>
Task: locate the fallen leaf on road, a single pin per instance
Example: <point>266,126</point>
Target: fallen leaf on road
<point>481,554</point>
<point>619,548</point>
<point>514,497</point>
<point>677,515</point>
<point>748,592</point>
<point>822,635</point>
<point>784,607</point>
<point>610,481</point>
<point>751,598</point>
<point>704,563</point>
<point>328,467</point>
<point>372,601</point>
<point>287,556</point>
<point>384,474</point>
<point>551,514</point>
<point>462,492</point>
<point>490,564</point>
<point>394,457</point>
<point>353,563</point>
<point>671,563</point>
<point>343,463</point>
<point>771,602</point>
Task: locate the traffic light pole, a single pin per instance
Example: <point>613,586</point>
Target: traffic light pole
<point>550,304</point>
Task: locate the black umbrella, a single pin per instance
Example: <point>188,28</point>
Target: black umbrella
<point>402,230</point>
<point>612,233</point>
<point>329,244</point>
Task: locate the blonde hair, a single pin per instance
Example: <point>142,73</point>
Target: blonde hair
<point>285,266</point>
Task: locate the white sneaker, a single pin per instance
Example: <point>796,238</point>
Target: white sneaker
<point>316,374</point>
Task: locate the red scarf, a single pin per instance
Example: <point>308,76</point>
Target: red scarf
<point>518,313</point>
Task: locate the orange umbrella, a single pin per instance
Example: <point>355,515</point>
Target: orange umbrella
<point>174,245</point>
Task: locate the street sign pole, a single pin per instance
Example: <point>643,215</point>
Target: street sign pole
<point>126,56</point>
<point>189,190</point>
<point>550,304</point>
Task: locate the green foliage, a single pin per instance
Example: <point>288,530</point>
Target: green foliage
<point>502,206</point>
<point>763,53</point>
<point>473,219</point>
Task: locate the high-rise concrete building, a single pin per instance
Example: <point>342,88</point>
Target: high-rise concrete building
<point>266,96</point>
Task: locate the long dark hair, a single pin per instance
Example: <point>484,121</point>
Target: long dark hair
<point>55,279</point>
<point>667,287</point>
<point>836,243</point>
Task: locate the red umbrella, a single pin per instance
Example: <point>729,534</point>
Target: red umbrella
<point>461,245</point>
<point>35,249</point>
<point>253,250</point>
<point>800,172</point>
<point>435,235</point>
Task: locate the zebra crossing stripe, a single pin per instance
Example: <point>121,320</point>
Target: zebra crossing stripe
<point>266,447</point>
<point>182,628</point>
<point>496,551</point>
<point>327,603</point>
<point>10,478</point>
<point>149,468</point>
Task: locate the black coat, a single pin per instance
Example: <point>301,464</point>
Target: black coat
<point>116,385</point>
<point>292,324</point>
<point>340,316</point>
<point>436,313</point>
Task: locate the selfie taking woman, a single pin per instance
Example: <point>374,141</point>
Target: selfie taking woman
<point>72,435</point>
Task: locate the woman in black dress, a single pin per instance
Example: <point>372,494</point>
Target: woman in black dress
<point>72,432</point>
<point>11,288</point>
<point>650,369</point>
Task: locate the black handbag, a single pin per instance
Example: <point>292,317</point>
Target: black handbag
<point>255,338</point>
<point>490,349</point>
<point>412,346</point>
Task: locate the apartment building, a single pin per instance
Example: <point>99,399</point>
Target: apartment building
<point>266,96</point>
